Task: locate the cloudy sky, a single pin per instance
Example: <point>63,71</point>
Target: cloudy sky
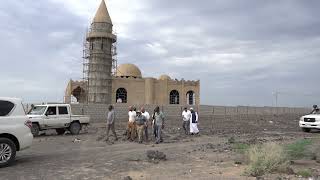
<point>241,50</point>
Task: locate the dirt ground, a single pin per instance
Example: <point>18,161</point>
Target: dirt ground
<point>89,156</point>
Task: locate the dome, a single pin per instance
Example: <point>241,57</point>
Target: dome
<point>164,77</point>
<point>128,70</point>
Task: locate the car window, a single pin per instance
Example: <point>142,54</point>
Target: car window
<point>52,110</point>
<point>38,110</point>
<point>5,107</point>
<point>63,110</point>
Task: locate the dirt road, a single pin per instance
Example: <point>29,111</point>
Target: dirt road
<point>87,156</point>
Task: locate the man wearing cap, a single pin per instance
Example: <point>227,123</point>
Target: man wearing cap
<point>140,123</point>
<point>194,122</point>
<point>186,115</point>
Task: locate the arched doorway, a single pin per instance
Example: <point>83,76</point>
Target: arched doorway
<point>174,97</point>
<point>121,95</point>
<point>191,98</point>
<point>78,95</point>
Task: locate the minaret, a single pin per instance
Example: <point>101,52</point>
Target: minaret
<point>99,57</point>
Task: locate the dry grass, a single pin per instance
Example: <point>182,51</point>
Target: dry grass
<point>305,173</point>
<point>299,149</point>
<point>266,158</point>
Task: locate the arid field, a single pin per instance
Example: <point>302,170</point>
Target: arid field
<point>210,155</point>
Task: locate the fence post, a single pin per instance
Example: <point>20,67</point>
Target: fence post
<point>238,117</point>
<point>212,119</point>
<point>247,113</point>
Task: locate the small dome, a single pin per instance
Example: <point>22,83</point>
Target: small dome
<point>128,70</point>
<point>164,77</point>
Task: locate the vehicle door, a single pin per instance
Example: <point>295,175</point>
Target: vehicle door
<point>64,116</point>
<point>51,118</point>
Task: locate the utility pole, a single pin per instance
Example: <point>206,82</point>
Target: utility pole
<point>276,94</point>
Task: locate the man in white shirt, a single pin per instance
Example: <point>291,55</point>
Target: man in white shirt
<point>186,115</point>
<point>131,124</point>
<point>147,116</point>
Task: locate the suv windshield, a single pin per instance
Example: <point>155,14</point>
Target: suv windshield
<point>38,110</point>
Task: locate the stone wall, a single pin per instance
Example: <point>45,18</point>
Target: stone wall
<point>211,118</point>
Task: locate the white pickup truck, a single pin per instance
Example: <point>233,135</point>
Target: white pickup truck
<point>58,117</point>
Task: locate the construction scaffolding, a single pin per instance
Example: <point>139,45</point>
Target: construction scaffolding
<point>99,65</point>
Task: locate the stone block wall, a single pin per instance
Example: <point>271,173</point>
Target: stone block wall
<point>219,119</point>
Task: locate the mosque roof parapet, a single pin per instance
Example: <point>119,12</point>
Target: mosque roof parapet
<point>185,82</point>
<point>78,83</point>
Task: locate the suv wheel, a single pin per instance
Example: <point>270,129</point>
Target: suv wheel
<point>60,131</point>
<point>7,152</point>
<point>75,128</point>
<point>306,129</point>
<point>35,129</point>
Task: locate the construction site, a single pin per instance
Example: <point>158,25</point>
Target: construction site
<point>223,149</point>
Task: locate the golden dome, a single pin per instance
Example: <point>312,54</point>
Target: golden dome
<point>128,70</point>
<point>164,77</point>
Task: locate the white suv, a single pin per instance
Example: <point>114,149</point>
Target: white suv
<point>308,122</point>
<point>15,129</point>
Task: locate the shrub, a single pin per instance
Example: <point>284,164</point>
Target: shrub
<point>316,152</point>
<point>266,158</point>
<point>231,140</point>
<point>240,147</point>
<point>299,149</point>
<point>305,173</point>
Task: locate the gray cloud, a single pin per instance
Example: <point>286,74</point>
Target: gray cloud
<point>242,51</point>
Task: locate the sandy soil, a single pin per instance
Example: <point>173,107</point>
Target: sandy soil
<point>88,156</point>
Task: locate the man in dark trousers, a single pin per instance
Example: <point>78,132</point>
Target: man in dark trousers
<point>186,115</point>
<point>110,122</point>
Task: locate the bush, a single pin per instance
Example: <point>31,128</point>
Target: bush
<point>266,158</point>
<point>316,153</point>
<point>231,140</point>
<point>240,147</point>
<point>304,173</point>
<point>299,149</point>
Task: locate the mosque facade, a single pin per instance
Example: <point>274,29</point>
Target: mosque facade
<point>106,82</point>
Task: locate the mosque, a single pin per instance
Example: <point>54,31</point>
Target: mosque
<point>105,82</point>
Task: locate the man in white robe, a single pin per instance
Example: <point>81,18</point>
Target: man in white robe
<point>194,122</point>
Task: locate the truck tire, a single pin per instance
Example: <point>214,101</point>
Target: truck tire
<point>7,152</point>
<point>306,129</point>
<point>35,129</point>
<point>60,131</point>
<point>75,128</point>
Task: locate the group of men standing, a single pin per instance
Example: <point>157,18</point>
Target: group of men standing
<point>190,121</point>
<point>138,124</point>
<point>140,121</point>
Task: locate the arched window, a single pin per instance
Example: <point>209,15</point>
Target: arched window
<point>191,98</point>
<point>174,97</point>
<point>121,95</point>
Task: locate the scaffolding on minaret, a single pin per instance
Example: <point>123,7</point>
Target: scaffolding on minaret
<point>99,57</point>
<point>85,63</point>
